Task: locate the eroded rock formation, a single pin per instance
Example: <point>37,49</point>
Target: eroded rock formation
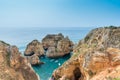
<point>33,51</point>
<point>34,60</point>
<point>34,47</point>
<point>51,40</point>
<point>57,45</point>
<point>96,57</point>
<point>13,66</point>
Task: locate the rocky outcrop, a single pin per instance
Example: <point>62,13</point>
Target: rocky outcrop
<point>33,51</point>
<point>34,60</point>
<point>13,66</point>
<point>35,47</point>
<point>96,57</point>
<point>51,40</point>
<point>57,45</point>
<point>65,45</point>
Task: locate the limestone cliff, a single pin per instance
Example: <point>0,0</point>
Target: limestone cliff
<point>13,66</point>
<point>96,57</point>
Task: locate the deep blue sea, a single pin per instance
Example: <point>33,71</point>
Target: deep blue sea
<point>22,36</point>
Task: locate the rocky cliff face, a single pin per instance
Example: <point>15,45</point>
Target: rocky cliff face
<point>96,57</point>
<point>13,66</point>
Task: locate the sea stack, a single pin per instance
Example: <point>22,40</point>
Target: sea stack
<point>57,45</point>
<point>34,47</point>
<point>33,51</point>
<point>52,46</point>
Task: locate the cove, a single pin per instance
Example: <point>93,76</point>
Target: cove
<point>45,71</point>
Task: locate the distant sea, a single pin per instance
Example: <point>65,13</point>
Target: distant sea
<point>22,36</point>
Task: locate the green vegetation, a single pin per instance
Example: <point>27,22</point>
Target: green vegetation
<point>94,45</point>
<point>116,79</point>
<point>87,38</point>
<point>8,59</point>
<point>111,27</point>
<point>85,45</point>
<point>56,50</point>
<point>76,54</point>
<point>91,73</point>
<point>4,43</point>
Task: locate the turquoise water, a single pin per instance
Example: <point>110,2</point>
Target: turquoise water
<point>50,65</point>
<point>22,36</point>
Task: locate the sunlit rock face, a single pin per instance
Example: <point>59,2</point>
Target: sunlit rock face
<point>33,51</point>
<point>51,40</point>
<point>52,46</point>
<point>57,45</point>
<point>34,60</point>
<point>34,47</point>
<point>96,57</point>
<point>13,66</point>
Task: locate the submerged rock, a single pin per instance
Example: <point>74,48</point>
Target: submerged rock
<point>13,66</point>
<point>96,57</point>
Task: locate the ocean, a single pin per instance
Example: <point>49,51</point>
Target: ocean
<point>22,36</point>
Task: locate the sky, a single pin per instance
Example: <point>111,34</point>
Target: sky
<point>59,13</point>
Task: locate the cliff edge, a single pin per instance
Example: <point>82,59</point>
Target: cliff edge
<point>13,66</point>
<point>96,57</point>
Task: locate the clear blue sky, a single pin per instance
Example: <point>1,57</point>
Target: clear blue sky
<point>59,13</point>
